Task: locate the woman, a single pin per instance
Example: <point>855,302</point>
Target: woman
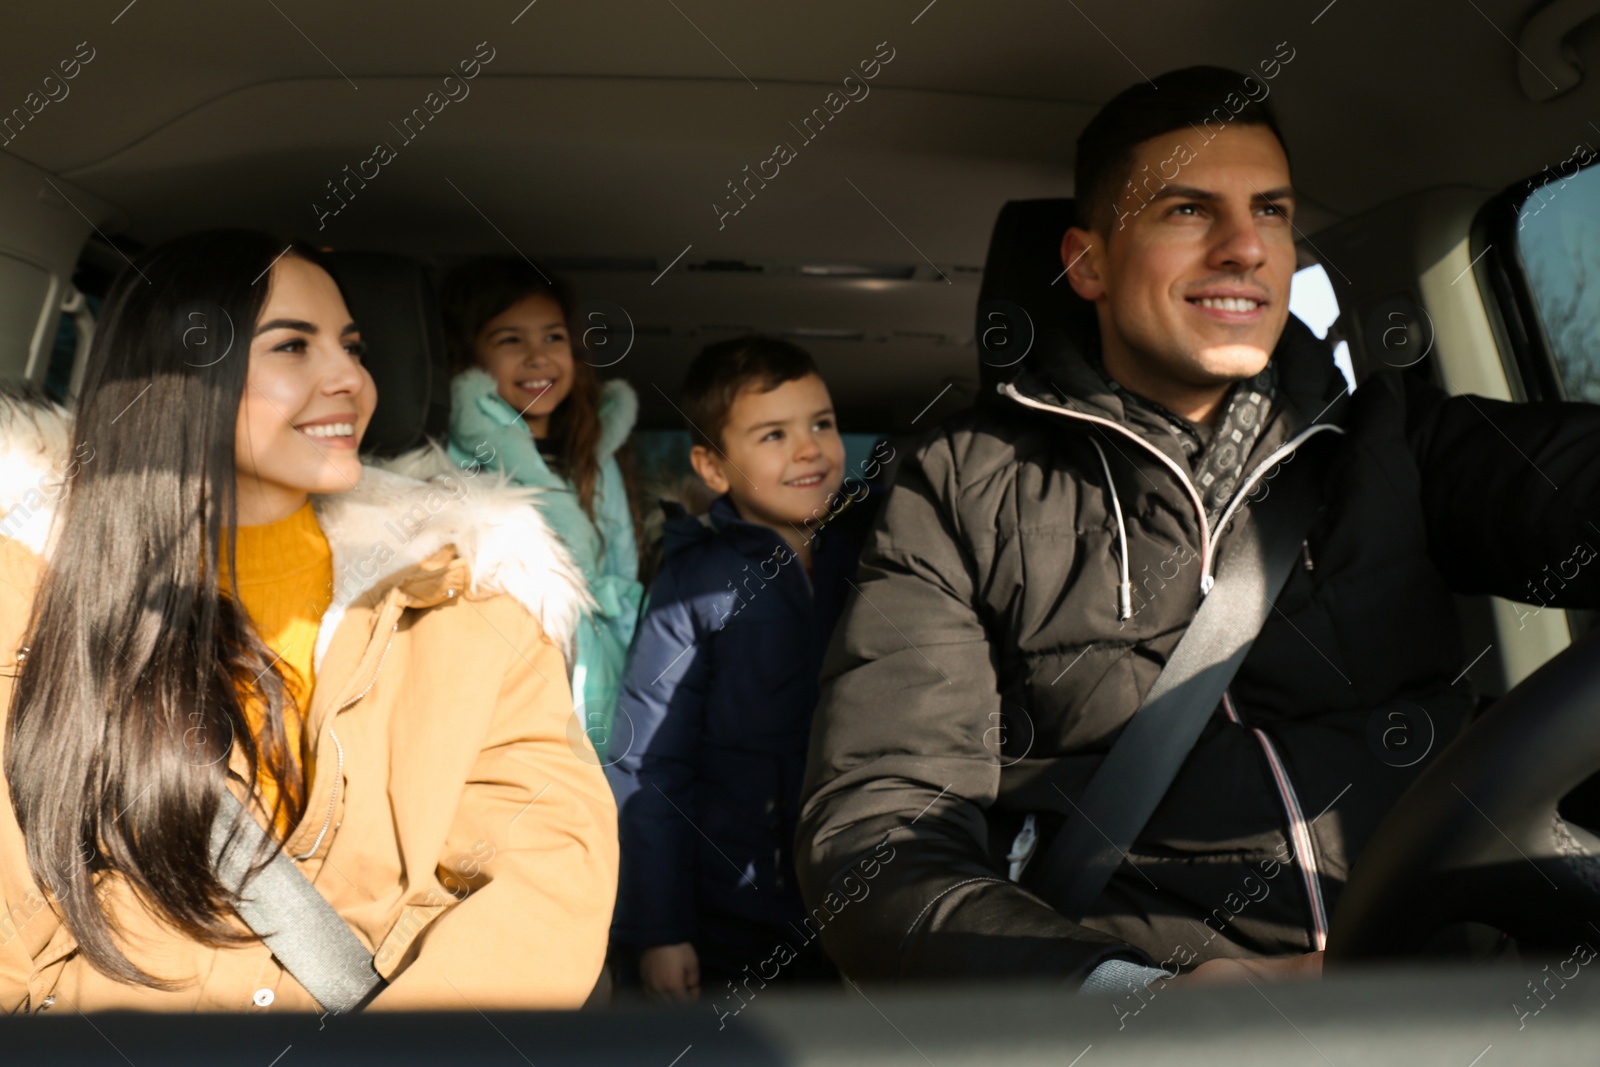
<point>521,403</point>
<point>229,600</point>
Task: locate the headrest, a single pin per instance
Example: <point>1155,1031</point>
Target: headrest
<point>395,302</point>
<point>1025,305</point>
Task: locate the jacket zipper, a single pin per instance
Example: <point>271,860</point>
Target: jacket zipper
<point>1299,830</point>
<point>1260,470</point>
<point>338,774</point>
<point>1183,479</point>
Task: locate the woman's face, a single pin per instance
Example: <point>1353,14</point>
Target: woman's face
<point>307,398</point>
<point>528,353</point>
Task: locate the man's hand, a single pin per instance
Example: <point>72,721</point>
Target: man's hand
<point>1225,972</point>
<point>671,972</point>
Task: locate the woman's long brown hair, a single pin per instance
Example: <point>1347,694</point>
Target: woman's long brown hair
<point>131,701</point>
<point>472,296</point>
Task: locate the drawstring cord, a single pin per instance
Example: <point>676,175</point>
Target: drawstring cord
<point>1125,590</point>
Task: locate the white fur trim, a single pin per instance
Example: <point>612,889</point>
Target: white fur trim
<point>35,441</point>
<point>388,522</point>
<point>619,410</point>
<point>408,508</point>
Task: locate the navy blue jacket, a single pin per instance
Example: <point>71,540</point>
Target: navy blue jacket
<point>717,696</point>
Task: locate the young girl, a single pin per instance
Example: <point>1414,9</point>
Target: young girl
<point>524,403</point>
<point>203,590</point>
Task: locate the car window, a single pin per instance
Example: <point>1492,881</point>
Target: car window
<point>1558,239</point>
<point>1312,301</point>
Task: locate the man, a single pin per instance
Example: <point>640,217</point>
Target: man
<point>1040,557</point>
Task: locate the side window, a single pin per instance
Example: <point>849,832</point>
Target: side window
<point>1312,301</point>
<point>1558,240</point>
<point>71,338</point>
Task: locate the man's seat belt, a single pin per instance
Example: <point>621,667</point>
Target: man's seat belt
<point>1144,759</point>
<point>285,910</point>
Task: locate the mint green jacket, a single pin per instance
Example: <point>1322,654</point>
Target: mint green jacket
<point>486,431</point>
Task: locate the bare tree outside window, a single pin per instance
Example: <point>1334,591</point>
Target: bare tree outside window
<point>1559,238</point>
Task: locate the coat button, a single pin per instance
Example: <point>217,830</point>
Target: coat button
<point>263,998</point>
<point>47,1003</point>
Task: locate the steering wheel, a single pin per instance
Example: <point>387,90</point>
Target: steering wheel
<point>1477,837</point>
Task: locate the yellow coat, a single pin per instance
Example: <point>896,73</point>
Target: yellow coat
<point>458,818</point>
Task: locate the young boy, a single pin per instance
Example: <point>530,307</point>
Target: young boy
<point>722,679</point>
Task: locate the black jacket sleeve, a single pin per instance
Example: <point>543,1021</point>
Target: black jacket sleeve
<point>892,843</point>
<point>1511,495</point>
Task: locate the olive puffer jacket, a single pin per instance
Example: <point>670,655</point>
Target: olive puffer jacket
<point>984,671</point>
<point>458,819</point>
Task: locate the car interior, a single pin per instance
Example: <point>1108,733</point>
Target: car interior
<point>1448,221</point>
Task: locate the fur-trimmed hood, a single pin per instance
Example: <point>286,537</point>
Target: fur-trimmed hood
<point>388,523</point>
<point>477,411</point>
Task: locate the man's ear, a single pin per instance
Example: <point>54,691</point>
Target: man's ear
<point>708,465</point>
<point>1083,254</point>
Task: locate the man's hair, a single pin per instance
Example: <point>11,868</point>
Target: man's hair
<point>1200,101</point>
<point>724,370</point>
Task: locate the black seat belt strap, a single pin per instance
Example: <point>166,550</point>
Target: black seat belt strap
<point>285,910</point>
<point>1145,758</point>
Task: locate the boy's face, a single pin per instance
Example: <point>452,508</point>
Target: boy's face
<point>781,458</point>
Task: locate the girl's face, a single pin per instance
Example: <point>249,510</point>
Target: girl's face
<point>527,351</point>
<point>307,398</point>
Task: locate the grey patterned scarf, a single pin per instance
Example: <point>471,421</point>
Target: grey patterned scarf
<point>1216,457</point>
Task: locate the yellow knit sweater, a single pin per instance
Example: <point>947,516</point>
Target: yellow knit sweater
<point>286,584</point>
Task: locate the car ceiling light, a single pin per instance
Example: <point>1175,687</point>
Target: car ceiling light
<point>855,270</point>
<point>817,333</point>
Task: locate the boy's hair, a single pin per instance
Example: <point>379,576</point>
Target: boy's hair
<point>723,370</point>
<point>1194,99</point>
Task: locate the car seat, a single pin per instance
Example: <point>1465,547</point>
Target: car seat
<point>1025,305</point>
<point>394,300</point>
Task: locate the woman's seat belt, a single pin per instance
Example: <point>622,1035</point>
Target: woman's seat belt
<point>285,910</point>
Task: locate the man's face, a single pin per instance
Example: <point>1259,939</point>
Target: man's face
<point>1192,277</point>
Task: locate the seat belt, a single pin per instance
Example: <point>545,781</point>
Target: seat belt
<point>1130,782</point>
<point>285,910</point>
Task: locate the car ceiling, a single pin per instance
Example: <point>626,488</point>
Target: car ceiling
<point>601,134</point>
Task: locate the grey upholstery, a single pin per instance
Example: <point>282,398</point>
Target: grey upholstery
<point>394,300</point>
<point>1024,260</point>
